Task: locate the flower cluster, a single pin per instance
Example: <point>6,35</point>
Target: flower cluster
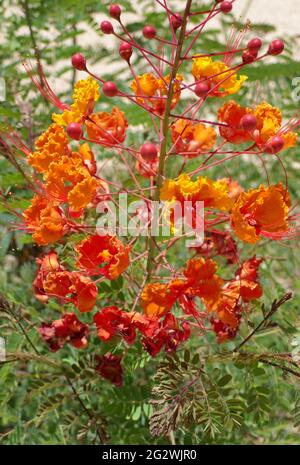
<point>166,304</point>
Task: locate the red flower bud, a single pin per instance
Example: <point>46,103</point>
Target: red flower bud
<point>202,89</point>
<point>74,130</point>
<point>275,145</point>
<point>125,51</point>
<point>79,62</point>
<point>110,89</point>
<point>276,47</point>
<point>248,122</point>
<point>226,7</point>
<point>176,21</point>
<point>106,27</point>
<point>255,44</point>
<point>149,32</point>
<point>248,56</point>
<point>148,152</point>
<point>115,11</point>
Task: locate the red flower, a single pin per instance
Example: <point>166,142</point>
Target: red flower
<point>53,280</point>
<point>112,321</point>
<point>105,255</point>
<point>110,368</point>
<point>67,329</point>
<point>168,334</point>
<point>228,306</point>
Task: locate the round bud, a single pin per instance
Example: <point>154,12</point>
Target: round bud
<point>248,57</point>
<point>148,152</point>
<point>110,89</point>
<point>226,7</point>
<point>275,145</point>
<point>254,45</point>
<point>79,62</point>
<point>74,131</point>
<point>201,89</point>
<point>106,27</point>
<point>248,122</point>
<point>115,11</point>
<point>176,21</point>
<point>276,47</point>
<point>149,32</point>
<point>125,51</point>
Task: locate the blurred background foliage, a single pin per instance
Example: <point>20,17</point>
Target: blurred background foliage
<point>58,399</point>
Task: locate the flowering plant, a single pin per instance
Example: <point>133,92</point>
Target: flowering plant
<point>112,279</point>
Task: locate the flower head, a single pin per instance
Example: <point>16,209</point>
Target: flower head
<point>67,329</point>
<point>152,91</point>
<point>53,280</point>
<point>107,128</point>
<point>220,78</point>
<point>214,194</point>
<point>168,334</point>
<point>261,212</point>
<point>50,146</point>
<point>69,180</point>
<point>191,139</point>
<point>45,220</point>
<point>86,93</point>
<point>103,255</point>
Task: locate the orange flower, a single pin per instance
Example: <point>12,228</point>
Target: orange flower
<point>104,255</point>
<point>72,287</point>
<point>269,124</point>
<point>107,128</point>
<point>53,280</point>
<point>69,180</point>
<point>50,146</point>
<point>192,138</point>
<point>201,279</point>
<point>228,306</point>
<point>214,194</point>
<point>218,75</point>
<point>156,90</point>
<point>261,212</point>
<point>45,220</point>
<point>157,299</point>
<point>86,93</point>
<point>231,114</point>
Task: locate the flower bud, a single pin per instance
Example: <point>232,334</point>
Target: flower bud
<point>275,145</point>
<point>249,56</point>
<point>202,89</point>
<point>148,152</point>
<point>149,32</point>
<point>254,45</point>
<point>110,89</point>
<point>248,122</point>
<point>176,21</point>
<point>74,131</point>
<point>125,51</point>
<point>106,27</point>
<point>115,12</point>
<point>276,47</point>
<point>226,7</point>
<point>79,62</point>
